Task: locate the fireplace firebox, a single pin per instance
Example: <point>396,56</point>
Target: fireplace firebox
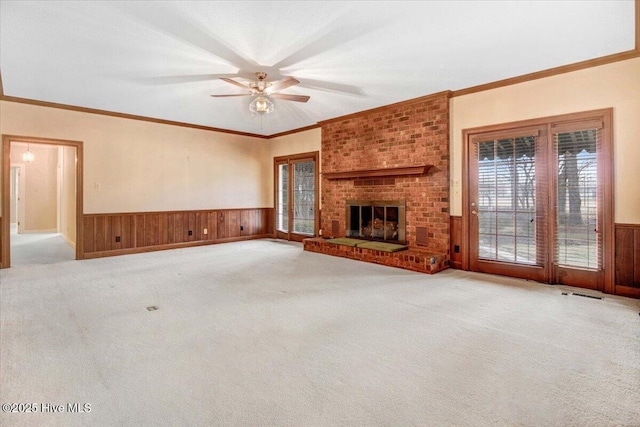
<point>376,220</point>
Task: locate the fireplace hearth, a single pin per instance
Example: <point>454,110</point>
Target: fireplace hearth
<point>381,220</point>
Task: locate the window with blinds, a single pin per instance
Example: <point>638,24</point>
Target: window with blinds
<point>296,182</point>
<point>577,237</point>
<point>282,211</point>
<point>304,197</point>
<point>507,200</point>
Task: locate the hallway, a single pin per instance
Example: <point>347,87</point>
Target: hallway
<point>39,248</point>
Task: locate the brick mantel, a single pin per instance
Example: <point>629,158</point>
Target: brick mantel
<point>385,172</point>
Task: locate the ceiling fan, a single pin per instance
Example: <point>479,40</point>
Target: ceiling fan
<point>263,90</point>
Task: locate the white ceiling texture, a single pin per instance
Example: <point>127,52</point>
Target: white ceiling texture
<point>163,59</point>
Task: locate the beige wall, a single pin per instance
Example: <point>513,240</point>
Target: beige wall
<point>301,142</point>
<point>296,143</point>
<point>614,85</point>
<point>134,166</point>
<point>41,189</point>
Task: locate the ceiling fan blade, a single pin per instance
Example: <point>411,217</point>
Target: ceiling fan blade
<point>282,84</point>
<point>332,87</point>
<point>233,82</point>
<point>287,97</point>
<point>235,94</point>
<point>177,79</point>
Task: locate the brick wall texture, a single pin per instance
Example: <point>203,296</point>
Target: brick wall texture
<point>408,134</point>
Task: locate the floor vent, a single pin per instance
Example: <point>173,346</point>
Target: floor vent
<point>153,308</point>
<point>586,296</point>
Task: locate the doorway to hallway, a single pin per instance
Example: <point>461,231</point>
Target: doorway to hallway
<point>42,211</point>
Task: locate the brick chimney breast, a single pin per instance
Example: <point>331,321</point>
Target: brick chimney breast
<point>400,135</point>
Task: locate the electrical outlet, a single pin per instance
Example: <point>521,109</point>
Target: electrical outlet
<point>117,239</point>
<point>456,249</point>
<point>205,231</point>
<point>241,228</point>
<point>190,232</point>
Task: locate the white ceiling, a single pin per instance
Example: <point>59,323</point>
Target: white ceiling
<point>163,59</point>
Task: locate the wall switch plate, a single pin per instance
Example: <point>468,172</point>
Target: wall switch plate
<point>241,228</point>
<point>456,249</point>
<point>190,232</point>
<point>117,239</point>
<point>205,231</point>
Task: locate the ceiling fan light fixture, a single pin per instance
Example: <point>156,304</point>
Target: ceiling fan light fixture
<point>261,105</point>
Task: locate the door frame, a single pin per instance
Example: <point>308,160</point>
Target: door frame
<point>5,258</point>
<point>315,156</point>
<point>605,156</point>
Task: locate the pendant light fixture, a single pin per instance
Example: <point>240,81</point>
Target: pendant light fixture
<point>28,156</point>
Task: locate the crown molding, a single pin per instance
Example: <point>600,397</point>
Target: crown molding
<point>590,63</point>
<point>292,131</point>
<point>124,116</point>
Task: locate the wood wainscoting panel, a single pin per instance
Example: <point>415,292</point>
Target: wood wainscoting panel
<point>246,223</point>
<point>212,231</point>
<point>627,259</point>
<point>108,232</point>
<point>100,230</point>
<point>88,225</point>
<point>125,233</point>
<point>152,229</point>
<point>455,251</point>
<point>233,222</point>
<point>229,224</point>
<point>254,221</point>
<point>223,224</point>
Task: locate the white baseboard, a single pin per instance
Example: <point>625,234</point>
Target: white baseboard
<point>68,240</point>
<point>51,230</point>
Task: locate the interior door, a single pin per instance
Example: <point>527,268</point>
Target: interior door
<point>13,193</point>
<point>17,195</point>
<point>296,196</point>
<point>508,207</point>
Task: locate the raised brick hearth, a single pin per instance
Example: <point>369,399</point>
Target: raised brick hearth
<point>411,259</point>
<point>404,135</point>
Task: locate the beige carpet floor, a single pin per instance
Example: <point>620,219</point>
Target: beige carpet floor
<point>261,333</point>
<point>39,248</point>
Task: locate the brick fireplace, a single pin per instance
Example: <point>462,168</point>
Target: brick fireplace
<point>395,153</point>
<point>382,220</point>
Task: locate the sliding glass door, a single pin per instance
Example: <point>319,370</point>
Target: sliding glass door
<point>296,179</point>
<point>507,220</point>
<point>539,202</point>
<point>579,200</point>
